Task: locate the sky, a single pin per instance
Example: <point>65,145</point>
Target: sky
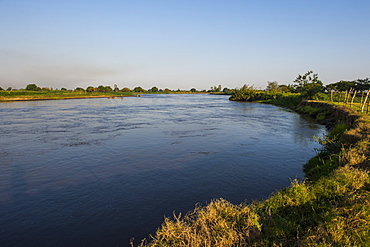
<point>181,44</point>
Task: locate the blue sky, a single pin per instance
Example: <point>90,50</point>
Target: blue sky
<point>181,44</point>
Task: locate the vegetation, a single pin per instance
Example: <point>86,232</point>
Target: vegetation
<point>33,92</point>
<point>359,85</point>
<point>55,94</point>
<point>33,87</point>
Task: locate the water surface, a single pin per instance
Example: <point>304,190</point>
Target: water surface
<point>96,172</point>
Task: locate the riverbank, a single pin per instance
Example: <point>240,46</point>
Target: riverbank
<point>330,208</point>
<point>12,96</point>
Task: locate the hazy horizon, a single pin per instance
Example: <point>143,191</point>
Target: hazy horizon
<point>181,44</point>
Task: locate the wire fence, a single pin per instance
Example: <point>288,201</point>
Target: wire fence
<point>353,99</point>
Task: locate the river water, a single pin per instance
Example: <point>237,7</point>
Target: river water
<point>97,172</point>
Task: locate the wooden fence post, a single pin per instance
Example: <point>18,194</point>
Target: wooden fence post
<point>367,96</point>
<point>353,98</point>
<point>331,95</point>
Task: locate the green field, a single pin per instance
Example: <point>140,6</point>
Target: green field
<point>55,95</point>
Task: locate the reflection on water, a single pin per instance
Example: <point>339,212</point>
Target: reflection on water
<point>99,171</point>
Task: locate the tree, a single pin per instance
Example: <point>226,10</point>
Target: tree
<point>285,88</point>
<point>309,85</point>
<point>272,86</point>
<point>227,90</point>
<point>79,89</point>
<point>102,88</point>
<point>90,89</point>
<point>139,89</point>
<point>341,86</point>
<point>216,88</point>
<point>1,89</point>
<point>126,89</point>
<point>362,84</point>
<point>167,90</point>
<point>116,89</point>
<point>154,89</point>
<point>193,90</point>
<point>9,89</point>
<point>33,87</point>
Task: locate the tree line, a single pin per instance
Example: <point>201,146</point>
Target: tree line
<point>309,85</point>
<point>115,88</point>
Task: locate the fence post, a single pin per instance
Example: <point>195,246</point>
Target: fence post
<point>331,95</point>
<point>353,98</point>
<point>367,96</point>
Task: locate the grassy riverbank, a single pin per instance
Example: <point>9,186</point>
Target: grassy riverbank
<point>330,208</point>
<point>22,95</point>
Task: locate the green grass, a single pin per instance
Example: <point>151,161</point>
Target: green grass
<point>55,94</point>
<point>68,94</point>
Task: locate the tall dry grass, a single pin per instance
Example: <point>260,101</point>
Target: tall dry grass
<point>220,223</point>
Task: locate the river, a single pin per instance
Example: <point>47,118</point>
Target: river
<point>97,172</point>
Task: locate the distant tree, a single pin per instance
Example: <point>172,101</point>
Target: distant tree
<point>63,89</point>
<point>362,84</point>
<point>227,90</point>
<point>341,86</point>
<point>33,87</point>
<point>167,90</point>
<point>216,88</point>
<point>1,89</point>
<point>102,88</point>
<point>91,89</point>
<point>285,88</point>
<point>9,89</point>
<point>139,89</point>
<point>126,89</point>
<point>154,89</point>
<point>309,85</point>
<point>79,89</point>
<point>46,89</point>
<point>116,89</point>
<point>193,90</point>
<point>272,86</point>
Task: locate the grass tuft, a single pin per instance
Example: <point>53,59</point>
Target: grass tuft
<point>220,223</point>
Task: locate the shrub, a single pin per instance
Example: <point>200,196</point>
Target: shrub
<point>220,223</point>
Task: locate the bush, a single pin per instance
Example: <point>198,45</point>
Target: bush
<point>32,87</point>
